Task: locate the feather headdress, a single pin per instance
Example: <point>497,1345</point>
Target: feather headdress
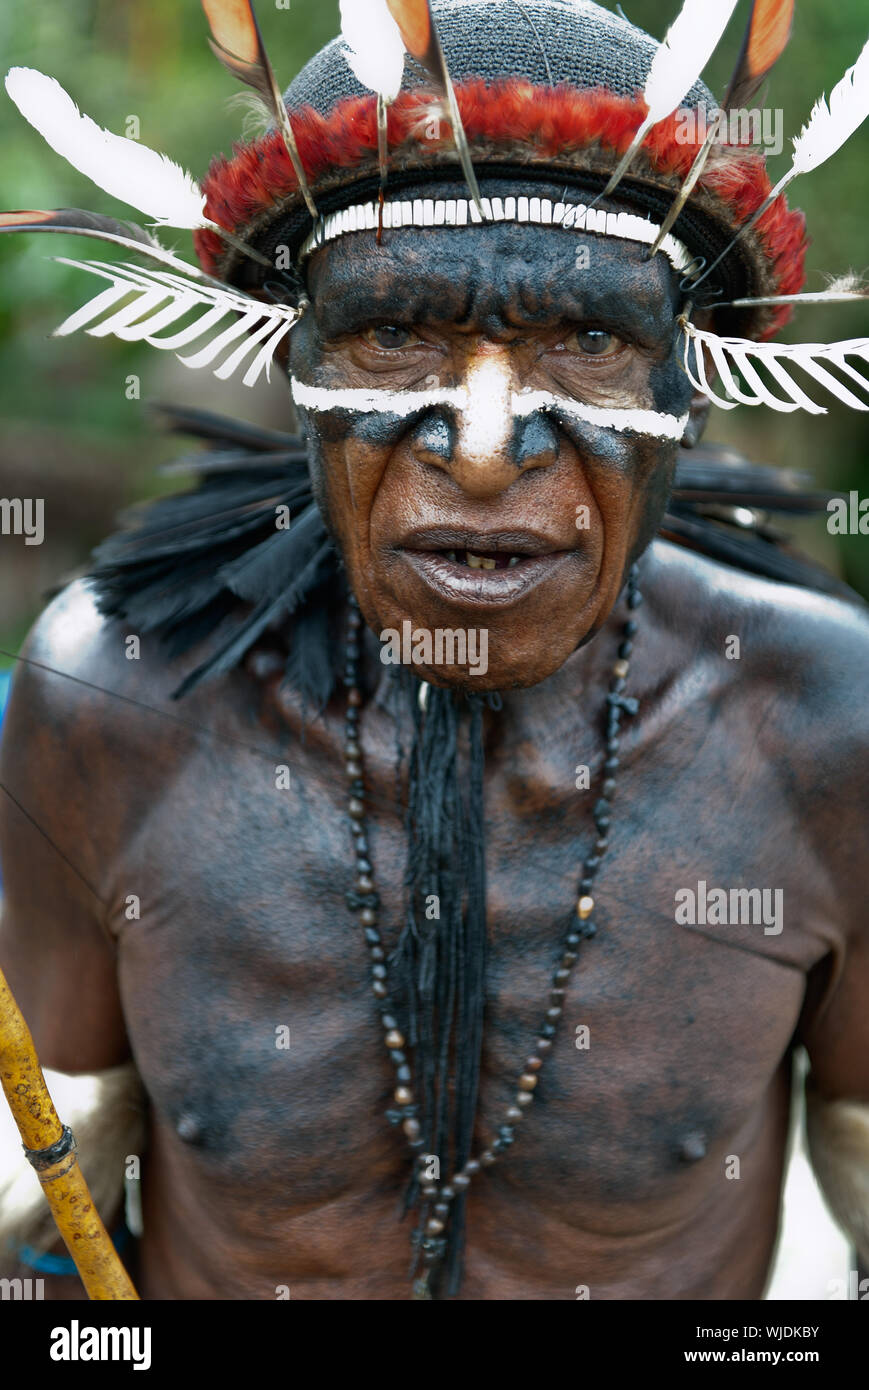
<point>375,48</point>
<point>78,222</point>
<point>378,33</point>
<point>735,358</point>
<point>420,37</point>
<point>126,169</point>
<point>747,371</point>
<point>153,300</point>
<point>766,36</point>
<point>259,194</point>
<point>140,303</point>
<point>842,289</point>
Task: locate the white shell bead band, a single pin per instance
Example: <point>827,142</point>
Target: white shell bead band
<point>461,212</point>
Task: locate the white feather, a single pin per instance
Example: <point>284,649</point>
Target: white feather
<point>841,295</point>
<point>688,45</point>
<point>826,130</point>
<point>375,48</point>
<point>126,169</point>
<point>828,127</point>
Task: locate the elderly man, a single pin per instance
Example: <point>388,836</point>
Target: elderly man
<point>567,861</point>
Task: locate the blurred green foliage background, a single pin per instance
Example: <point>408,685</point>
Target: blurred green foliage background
<point>72,435</point>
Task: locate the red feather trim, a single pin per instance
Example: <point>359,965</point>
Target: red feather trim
<point>548,123</point>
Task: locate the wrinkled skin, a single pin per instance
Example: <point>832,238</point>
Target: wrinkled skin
<point>272,1167</point>
<point>523,299</point>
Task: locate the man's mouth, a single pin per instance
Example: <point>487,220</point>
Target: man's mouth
<point>491,569</point>
<point>497,561</point>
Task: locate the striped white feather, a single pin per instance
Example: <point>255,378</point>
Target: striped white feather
<point>825,132</point>
<point>731,355</point>
<point>124,168</point>
<point>830,125</point>
<point>688,45</point>
<point>375,50</point>
<point>163,299</point>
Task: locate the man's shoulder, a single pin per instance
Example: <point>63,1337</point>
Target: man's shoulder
<point>72,644</point>
<point>811,649</point>
<point>775,615</point>
<point>71,635</point>
<point>83,673</point>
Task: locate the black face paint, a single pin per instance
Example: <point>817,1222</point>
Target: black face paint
<point>434,435</point>
<point>534,438</point>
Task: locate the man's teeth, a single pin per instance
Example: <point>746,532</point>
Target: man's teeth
<point>481,562</point>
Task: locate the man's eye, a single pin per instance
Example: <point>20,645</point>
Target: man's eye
<point>386,335</point>
<point>595,342</point>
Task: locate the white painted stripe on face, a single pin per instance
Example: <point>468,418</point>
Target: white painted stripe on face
<point>653,424</point>
<point>362,402</point>
<point>486,419</point>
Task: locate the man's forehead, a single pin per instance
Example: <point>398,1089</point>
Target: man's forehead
<point>520,274</point>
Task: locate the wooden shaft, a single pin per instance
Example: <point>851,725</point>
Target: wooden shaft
<point>66,1191</point>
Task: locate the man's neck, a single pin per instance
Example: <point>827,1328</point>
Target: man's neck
<point>572,698</point>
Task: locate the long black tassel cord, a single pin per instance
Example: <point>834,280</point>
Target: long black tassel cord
<point>438,969</point>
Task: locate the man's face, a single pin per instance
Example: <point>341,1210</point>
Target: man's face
<point>457,502</point>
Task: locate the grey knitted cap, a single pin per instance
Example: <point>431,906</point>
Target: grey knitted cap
<point>543,41</point>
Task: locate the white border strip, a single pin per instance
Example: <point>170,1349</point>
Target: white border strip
<point>460,212</point>
<point>651,423</point>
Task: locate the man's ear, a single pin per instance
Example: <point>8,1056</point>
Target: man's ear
<point>698,411</point>
<point>282,354</point>
<point>698,415</point>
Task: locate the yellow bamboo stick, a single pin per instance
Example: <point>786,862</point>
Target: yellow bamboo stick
<point>66,1191</point>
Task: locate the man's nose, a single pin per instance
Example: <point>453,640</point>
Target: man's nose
<point>485,445</point>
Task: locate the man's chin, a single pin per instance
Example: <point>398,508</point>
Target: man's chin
<point>500,678</point>
<point>479,658</point>
<point>477,649</point>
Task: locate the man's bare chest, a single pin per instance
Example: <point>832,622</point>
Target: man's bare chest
<point>247,994</point>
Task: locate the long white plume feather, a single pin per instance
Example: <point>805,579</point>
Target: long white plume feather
<point>375,48</point>
<point>687,47</point>
<point>845,290</point>
<point>829,126</point>
<point>826,131</point>
<point>736,361</point>
<point>126,169</point>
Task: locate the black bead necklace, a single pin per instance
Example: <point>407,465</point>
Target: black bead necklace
<point>437,1196</point>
